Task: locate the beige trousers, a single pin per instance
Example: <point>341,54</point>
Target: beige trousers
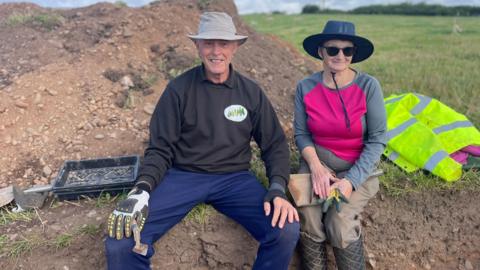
<point>343,228</point>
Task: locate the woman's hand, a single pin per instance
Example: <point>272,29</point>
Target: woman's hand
<point>320,177</point>
<point>344,185</point>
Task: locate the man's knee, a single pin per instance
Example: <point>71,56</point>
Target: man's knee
<point>114,247</point>
<point>292,230</point>
<point>289,234</point>
<point>120,255</point>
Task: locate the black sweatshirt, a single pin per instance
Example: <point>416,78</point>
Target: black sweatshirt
<point>200,126</point>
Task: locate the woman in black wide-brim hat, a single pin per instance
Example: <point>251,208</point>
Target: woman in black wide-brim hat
<point>340,129</point>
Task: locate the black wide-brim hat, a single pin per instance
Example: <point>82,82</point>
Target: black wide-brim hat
<point>342,31</point>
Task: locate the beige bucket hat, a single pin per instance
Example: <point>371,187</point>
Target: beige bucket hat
<point>217,25</point>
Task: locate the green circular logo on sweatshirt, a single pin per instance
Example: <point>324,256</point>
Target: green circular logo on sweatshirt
<point>235,113</point>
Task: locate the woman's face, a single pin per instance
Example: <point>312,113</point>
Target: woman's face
<point>339,61</point>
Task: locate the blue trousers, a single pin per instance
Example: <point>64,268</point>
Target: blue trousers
<point>237,195</point>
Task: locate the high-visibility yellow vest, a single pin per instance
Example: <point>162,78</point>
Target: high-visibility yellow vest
<point>422,132</point>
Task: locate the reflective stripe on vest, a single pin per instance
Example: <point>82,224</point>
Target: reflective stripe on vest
<point>452,126</point>
<point>400,128</point>
<point>435,159</point>
<point>396,158</point>
<point>424,101</point>
<point>393,99</point>
<point>393,156</point>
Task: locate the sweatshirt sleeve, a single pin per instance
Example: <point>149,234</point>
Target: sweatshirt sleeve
<point>375,139</point>
<point>271,139</point>
<point>165,126</point>
<point>303,137</point>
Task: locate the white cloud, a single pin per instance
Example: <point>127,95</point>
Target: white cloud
<point>290,7</point>
<point>260,6</point>
<point>255,6</point>
<point>265,6</point>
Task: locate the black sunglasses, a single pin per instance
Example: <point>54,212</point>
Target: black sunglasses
<point>347,51</point>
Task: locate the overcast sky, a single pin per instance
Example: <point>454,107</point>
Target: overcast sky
<point>258,6</point>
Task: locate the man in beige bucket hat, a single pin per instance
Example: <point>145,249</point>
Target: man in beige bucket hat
<point>199,152</point>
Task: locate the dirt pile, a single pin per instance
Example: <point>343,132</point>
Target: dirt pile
<point>82,83</point>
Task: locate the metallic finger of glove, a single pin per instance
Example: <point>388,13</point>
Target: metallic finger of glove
<point>111,225</point>
<point>119,227</point>
<point>143,217</point>
<point>128,226</point>
<point>140,220</point>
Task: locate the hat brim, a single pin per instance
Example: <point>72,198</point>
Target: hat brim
<point>220,36</point>
<point>364,48</point>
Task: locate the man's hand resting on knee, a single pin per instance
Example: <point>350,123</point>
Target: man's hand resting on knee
<point>282,210</point>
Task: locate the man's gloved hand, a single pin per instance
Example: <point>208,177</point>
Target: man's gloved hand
<point>134,207</point>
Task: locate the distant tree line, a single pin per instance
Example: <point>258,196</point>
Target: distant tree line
<point>420,9</point>
<point>311,9</point>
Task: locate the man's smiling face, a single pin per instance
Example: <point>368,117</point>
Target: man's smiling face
<point>216,56</point>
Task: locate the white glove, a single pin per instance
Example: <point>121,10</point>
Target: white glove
<point>134,207</point>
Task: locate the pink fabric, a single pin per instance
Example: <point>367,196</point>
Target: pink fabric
<point>326,119</point>
<point>460,157</point>
<point>472,149</point>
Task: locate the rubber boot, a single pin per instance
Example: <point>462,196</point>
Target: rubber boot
<point>313,254</point>
<point>351,257</point>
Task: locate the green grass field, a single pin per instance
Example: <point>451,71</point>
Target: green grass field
<point>412,54</point>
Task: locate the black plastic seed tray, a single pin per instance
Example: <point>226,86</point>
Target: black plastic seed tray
<point>75,195</point>
<point>94,176</point>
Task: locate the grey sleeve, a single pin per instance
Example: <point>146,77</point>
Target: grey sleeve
<point>303,137</point>
<point>375,137</point>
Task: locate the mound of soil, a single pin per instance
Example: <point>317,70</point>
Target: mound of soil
<point>82,83</point>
